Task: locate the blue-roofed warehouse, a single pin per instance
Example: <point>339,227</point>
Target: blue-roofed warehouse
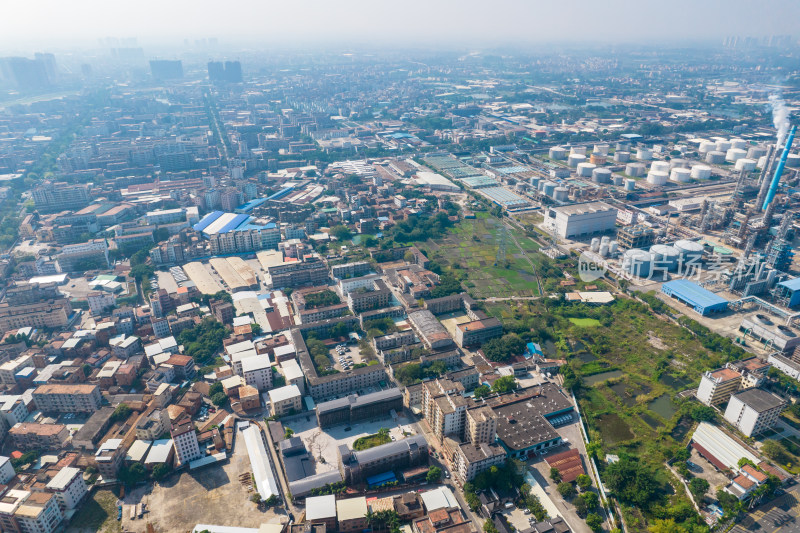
<point>690,293</point>
<point>790,289</point>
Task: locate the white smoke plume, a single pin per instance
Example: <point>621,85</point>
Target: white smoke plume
<point>780,116</point>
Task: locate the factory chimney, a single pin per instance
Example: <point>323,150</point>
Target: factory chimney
<point>779,170</point>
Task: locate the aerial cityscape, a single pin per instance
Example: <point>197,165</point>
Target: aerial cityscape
<point>445,277</point>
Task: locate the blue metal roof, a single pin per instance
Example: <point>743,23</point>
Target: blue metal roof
<point>692,292</point>
<point>791,284</point>
<point>281,193</point>
<point>208,220</point>
<point>252,204</point>
<point>235,222</point>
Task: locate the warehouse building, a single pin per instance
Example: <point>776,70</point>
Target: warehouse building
<point>689,293</point>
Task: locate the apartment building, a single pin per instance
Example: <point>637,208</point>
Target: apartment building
<point>68,487</point>
<point>310,271</point>
<point>22,511</point>
<point>754,410</point>
<point>33,436</point>
<point>477,332</point>
<point>184,439</point>
<point>350,270</point>
<point>67,398</point>
<point>284,400</point>
<point>9,369</point>
<point>370,297</point>
<point>109,457</point>
<point>354,408</point>
<point>45,314</point>
<point>257,372</point>
<point>50,196</point>
<point>155,425</point>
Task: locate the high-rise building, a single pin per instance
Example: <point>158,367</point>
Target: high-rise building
<point>229,71</point>
<point>165,69</point>
<point>185,440</point>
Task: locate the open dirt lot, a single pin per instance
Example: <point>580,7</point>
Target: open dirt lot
<point>210,495</point>
<point>706,470</point>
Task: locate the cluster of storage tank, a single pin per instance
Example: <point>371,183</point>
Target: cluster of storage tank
<point>643,263</point>
<point>605,247</point>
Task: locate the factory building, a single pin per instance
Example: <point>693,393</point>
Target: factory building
<point>753,411</point>
<point>689,293</point>
<point>581,219</point>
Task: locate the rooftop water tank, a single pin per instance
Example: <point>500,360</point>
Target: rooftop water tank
<point>575,159</point>
<point>681,175</point>
<point>635,170</point>
<point>557,152</point>
<point>601,175</point>
<point>657,177</point>
<point>715,157</point>
<point>701,172</point>
<point>735,154</point>
<point>585,169</point>
<point>748,165</point>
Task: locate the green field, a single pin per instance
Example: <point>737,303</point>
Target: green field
<point>585,322</point>
<point>98,513</point>
<point>370,441</point>
<point>472,246</point>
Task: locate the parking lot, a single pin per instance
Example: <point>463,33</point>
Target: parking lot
<point>701,468</point>
<point>210,495</point>
<point>346,357</point>
<point>322,443</point>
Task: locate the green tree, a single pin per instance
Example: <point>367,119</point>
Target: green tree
<point>489,527</point>
<point>703,413</point>
<point>434,475</point>
<point>632,482</point>
<point>594,522</point>
<point>219,399</point>
<point>288,433</point>
<point>566,490</point>
<point>504,384</point>
<point>256,329</point>
<point>341,232</point>
<point>699,487</point>
<point>160,471</point>
<point>555,475</point>
<point>482,391</point>
<point>122,412</point>
<point>728,501</point>
<point>215,388</point>
<point>775,451</point>
<point>590,499</point>
<point>584,482</point>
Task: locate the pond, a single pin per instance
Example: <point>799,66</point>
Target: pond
<point>650,421</point>
<point>586,357</point>
<point>663,406</point>
<point>613,429</point>
<point>627,396</point>
<point>578,346</point>
<point>673,382</point>
<point>549,348</point>
<point>681,429</point>
<point>602,376</point>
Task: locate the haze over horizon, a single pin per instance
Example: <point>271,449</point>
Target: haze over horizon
<point>36,24</point>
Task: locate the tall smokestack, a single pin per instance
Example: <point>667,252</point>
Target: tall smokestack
<point>779,170</point>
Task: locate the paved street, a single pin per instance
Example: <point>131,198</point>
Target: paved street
<point>781,514</point>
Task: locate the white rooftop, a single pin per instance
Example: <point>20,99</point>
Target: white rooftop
<point>441,498</point>
<point>61,480</point>
<point>320,507</point>
<point>284,393</point>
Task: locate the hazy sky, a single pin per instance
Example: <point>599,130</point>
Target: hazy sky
<point>43,23</point>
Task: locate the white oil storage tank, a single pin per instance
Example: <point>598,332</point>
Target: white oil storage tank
<point>601,175</point>
<point>723,146</point>
<point>618,180</point>
<point>739,143</point>
<point>707,146</point>
<point>600,149</point>
<point>549,188</point>
<point>595,246</point>
<point>604,247</point>
<point>735,154</point>
<point>535,181</point>
<point>644,154</point>
<point>665,256</point>
<point>577,150</point>
<point>613,246</point>
<point>690,251</point>
<point>701,172</point>
<point>622,157</point>
<point>661,166</point>
<point>681,175</point>
<point>634,170</point>
<point>637,262</point>
<point>754,152</point>
<point>585,169</point>
<point>748,165</point>
<point>793,161</point>
<point>715,157</point>
<point>657,177</point>
<point>560,194</point>
<point>575,159</point>
<point>630,185</point>
<point>678,163</point>
<point>557,152</point>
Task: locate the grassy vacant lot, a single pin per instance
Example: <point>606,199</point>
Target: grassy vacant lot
<point>585,322</point>
<point>370,441</point>
<point>99,513</point>
<point>472,245</point>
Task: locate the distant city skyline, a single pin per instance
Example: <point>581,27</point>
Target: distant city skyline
<point>38,24</point>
